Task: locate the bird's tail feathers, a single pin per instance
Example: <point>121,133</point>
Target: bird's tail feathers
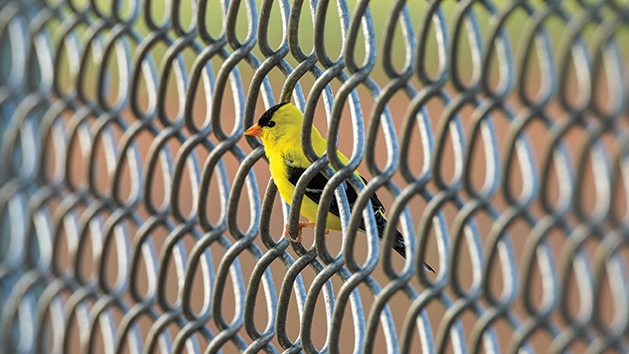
<point>398,244</point>
<point>399,247</point>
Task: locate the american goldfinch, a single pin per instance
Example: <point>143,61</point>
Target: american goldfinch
<point>279,128</point>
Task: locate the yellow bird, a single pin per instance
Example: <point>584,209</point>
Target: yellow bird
<point>279,128</point>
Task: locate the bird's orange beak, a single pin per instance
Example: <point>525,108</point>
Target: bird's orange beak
<point>255,130</point>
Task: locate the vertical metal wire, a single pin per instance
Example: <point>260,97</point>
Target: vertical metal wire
<point>116,208</point>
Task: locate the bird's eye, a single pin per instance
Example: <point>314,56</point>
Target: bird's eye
<point>270,124</point>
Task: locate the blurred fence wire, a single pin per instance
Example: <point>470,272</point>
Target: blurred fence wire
<point>124,176</point>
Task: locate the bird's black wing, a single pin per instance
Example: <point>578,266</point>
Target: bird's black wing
<point>315,190</point>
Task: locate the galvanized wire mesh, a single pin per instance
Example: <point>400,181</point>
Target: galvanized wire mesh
<point>135,218</point>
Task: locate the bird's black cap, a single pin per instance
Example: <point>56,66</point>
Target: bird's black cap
<point>266,116</point>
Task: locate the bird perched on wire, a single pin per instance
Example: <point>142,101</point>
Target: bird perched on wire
<point>279,128</point>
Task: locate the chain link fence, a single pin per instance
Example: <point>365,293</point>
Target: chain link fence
<point>134,217</point>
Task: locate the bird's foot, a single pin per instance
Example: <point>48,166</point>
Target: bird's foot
<point>300,226</point>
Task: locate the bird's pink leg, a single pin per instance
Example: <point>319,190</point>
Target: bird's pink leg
<point>300,226</point>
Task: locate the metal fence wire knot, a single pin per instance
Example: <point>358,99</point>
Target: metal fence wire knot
<point>135,217</point>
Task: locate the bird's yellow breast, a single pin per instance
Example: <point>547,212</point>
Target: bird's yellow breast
<point>309,209</point>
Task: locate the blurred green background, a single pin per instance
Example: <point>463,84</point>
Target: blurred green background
<point>162,10</point>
